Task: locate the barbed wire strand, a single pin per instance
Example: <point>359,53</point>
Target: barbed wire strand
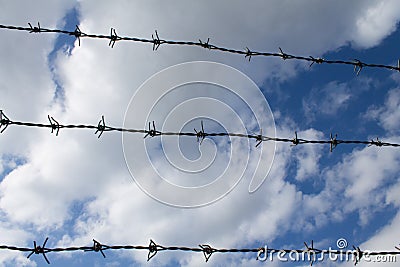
<point>207,250</point>
<point>156,41</point>
<point>152,131</point>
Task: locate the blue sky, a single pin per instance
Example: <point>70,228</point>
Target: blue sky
<point>75,187</point>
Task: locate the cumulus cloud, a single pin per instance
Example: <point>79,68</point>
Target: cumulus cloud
<point>333,98</point>
<point>376,22</point>
<point>356,184</point>
<point>388,115</point>
<point>308,157</point>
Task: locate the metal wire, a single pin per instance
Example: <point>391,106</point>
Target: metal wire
<point>156,41</point>
<point>101,127</point>
<point>207,250</point>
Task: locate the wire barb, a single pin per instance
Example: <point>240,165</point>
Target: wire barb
<point>333,142</point>
<point>248,53</point>
<point>358,253</point>
<point>101,127</point>
<point>200,134</point>
<point>311,251</point>
<point>153,249</point>
<point>316,60</point>
<point>207,251</point>
<point>259,138</point>
<point>4,121</point>
<point>358,65</point>
<point>376,143</point>
<point>113,38</point>
<point>205,44</point>
<point>152,132</point>
<point>156,41</point>
<point>97,246</point>
<point>35,29</point>
<point>40,250</point>
<point>55,126</point>
<point>295,140</point>
<point>284,56</point>
<point>78,33</point>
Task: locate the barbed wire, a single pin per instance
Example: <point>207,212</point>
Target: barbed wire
<point>153,248</point>
<point>152,131</point>
<point>207,250</point>
<point>156,41</point>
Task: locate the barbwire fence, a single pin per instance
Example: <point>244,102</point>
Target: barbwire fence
<point>200,134</point>
<point>262,253</point>
<point>156,42</point>
<point>207,250</point>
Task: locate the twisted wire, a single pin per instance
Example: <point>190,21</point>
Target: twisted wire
<point>207,250</point>
<point>156,41</point>
<point>101,127</point>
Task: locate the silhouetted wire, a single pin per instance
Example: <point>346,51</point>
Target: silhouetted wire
<point>207,250</point>
<point>101,127</point>
<point>156,41</point>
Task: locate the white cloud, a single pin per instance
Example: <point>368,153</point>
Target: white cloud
<point>388,116</point>
<point>12,235</point>
<point>357,184</point>
<point>334,97</point>
<point>376,22</point>
<point>308,156</point>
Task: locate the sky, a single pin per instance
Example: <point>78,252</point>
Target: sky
<point>75,187</point>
